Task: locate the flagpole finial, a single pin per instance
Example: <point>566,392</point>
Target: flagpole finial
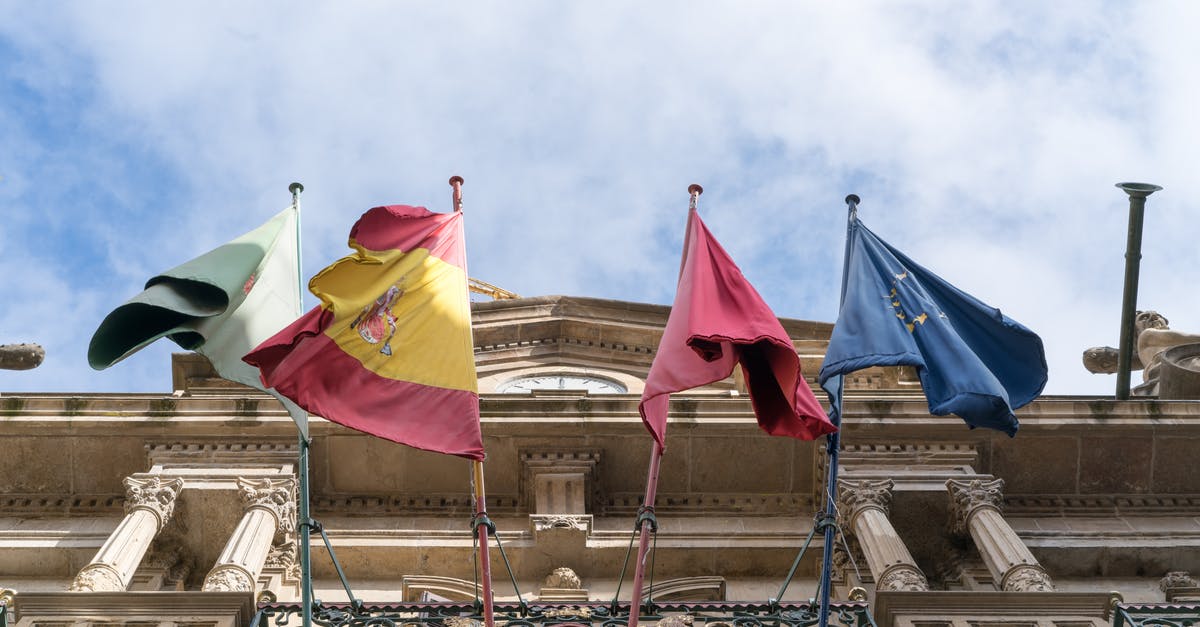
<point>456,182</point>
<point>295,188</point>
<point>694,190</point>
<point>853,199</point>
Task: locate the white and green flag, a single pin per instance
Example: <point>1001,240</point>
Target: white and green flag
<point>221,304</point>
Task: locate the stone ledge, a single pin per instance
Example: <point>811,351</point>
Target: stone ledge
<point>223,609</point>
<point>943,607</point>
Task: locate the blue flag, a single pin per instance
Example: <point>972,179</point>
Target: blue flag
<point>972,360</point>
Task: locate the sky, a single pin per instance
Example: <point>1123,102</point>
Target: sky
<point>984,138</point>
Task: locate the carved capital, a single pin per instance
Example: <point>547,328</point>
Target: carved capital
<point>98,578</point>
<point>968,497</point>
<point>854,497</point>
<point>228,578</point>
<point>154,494</point>
<point>1027,578</point>
<point>902,577</point>
<point>277,496</point>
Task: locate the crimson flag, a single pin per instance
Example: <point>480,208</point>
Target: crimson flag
<point>719,320</point>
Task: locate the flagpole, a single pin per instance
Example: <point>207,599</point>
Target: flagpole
<point>305,525</point>
<point>481,524</point>
<point>646,518</point>
<point>833,441</point>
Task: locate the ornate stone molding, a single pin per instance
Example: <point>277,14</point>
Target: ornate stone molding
<point>228,578</point>
<point>902,577</point>
<point>277,496</point>
<point>98,578</point>
<point>1177,579</point>
<point>1027,578</point>
<point>563,577</point>
<point>968,497</point>
<point>544,522</point>
<point>856,496</point>
<point>154,494</point>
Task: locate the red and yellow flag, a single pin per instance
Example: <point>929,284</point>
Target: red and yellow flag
<point>388,352</point>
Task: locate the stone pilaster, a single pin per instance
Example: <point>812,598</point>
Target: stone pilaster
<point>270,508</point>
<point>149,504</point>
<point>975,508</point>
<point>863,509</point>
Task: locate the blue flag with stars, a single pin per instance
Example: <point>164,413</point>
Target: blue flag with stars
<point>972,360</point>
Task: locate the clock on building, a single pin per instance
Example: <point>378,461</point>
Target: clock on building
<point>593,385</point>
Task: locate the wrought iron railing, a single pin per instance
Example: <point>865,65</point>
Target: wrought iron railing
<point>697,614</point>
<point>1156,615</point>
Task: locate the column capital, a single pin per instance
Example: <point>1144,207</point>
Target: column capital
<point>968,497</point>
<point>855,497</point>
<point>156,495</point>
<point>277,496</point>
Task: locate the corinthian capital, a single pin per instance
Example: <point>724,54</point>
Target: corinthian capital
<point>968,497</point>
<point>154,494</point>
<point>856,496</point>
<point>277,496</point>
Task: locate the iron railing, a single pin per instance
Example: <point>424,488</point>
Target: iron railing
<point>1156,615</point>
<point>693,614</point>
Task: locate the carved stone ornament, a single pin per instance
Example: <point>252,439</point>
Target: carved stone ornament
<point>1177,579</point>
<point>228,579</point>
<point>282,556</point>
<point>542,522</point>
<point>856,496</point>
<point>1027,578</point>
<point>564,578</point>
<point>155,494</point>
<point>277,496</point>
<point>903,578</point>
<point>97,578</point>
<point>967,497</point>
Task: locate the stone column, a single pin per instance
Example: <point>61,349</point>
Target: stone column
<point>270,508</point>
<point>863,509</point>
<point>149,504</point>
<point>975,508</point>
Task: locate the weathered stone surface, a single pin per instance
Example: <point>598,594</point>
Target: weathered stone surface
<point>21,356</point>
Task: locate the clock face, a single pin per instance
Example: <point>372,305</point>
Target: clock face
<point>593,385</point>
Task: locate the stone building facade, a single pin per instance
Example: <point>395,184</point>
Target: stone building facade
<point>180,508</point>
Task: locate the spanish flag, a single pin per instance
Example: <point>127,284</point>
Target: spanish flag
<point>388,352</point>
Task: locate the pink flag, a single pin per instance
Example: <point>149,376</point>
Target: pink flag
<point>719,320</point>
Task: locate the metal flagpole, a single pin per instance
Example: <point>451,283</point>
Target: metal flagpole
<point>481,524</point>
<point>833,442</point>
<point>646,520</point>
<point>305,519</point>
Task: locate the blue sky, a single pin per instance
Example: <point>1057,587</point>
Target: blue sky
<point>984,139</point>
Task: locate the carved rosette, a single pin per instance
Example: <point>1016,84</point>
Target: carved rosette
<point>903,577</point>
<point>98,578</point>
<point>856,496</point>
<point>156,495</point>
<point>277,496</point>
<point>1027,578</point>
<point>228,578</point>
<point>968,497</point>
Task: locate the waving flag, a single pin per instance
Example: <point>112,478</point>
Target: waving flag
<point>220,304</point>
<point>719,320</point>
<point>388,352</point>
<point>972,360</point>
